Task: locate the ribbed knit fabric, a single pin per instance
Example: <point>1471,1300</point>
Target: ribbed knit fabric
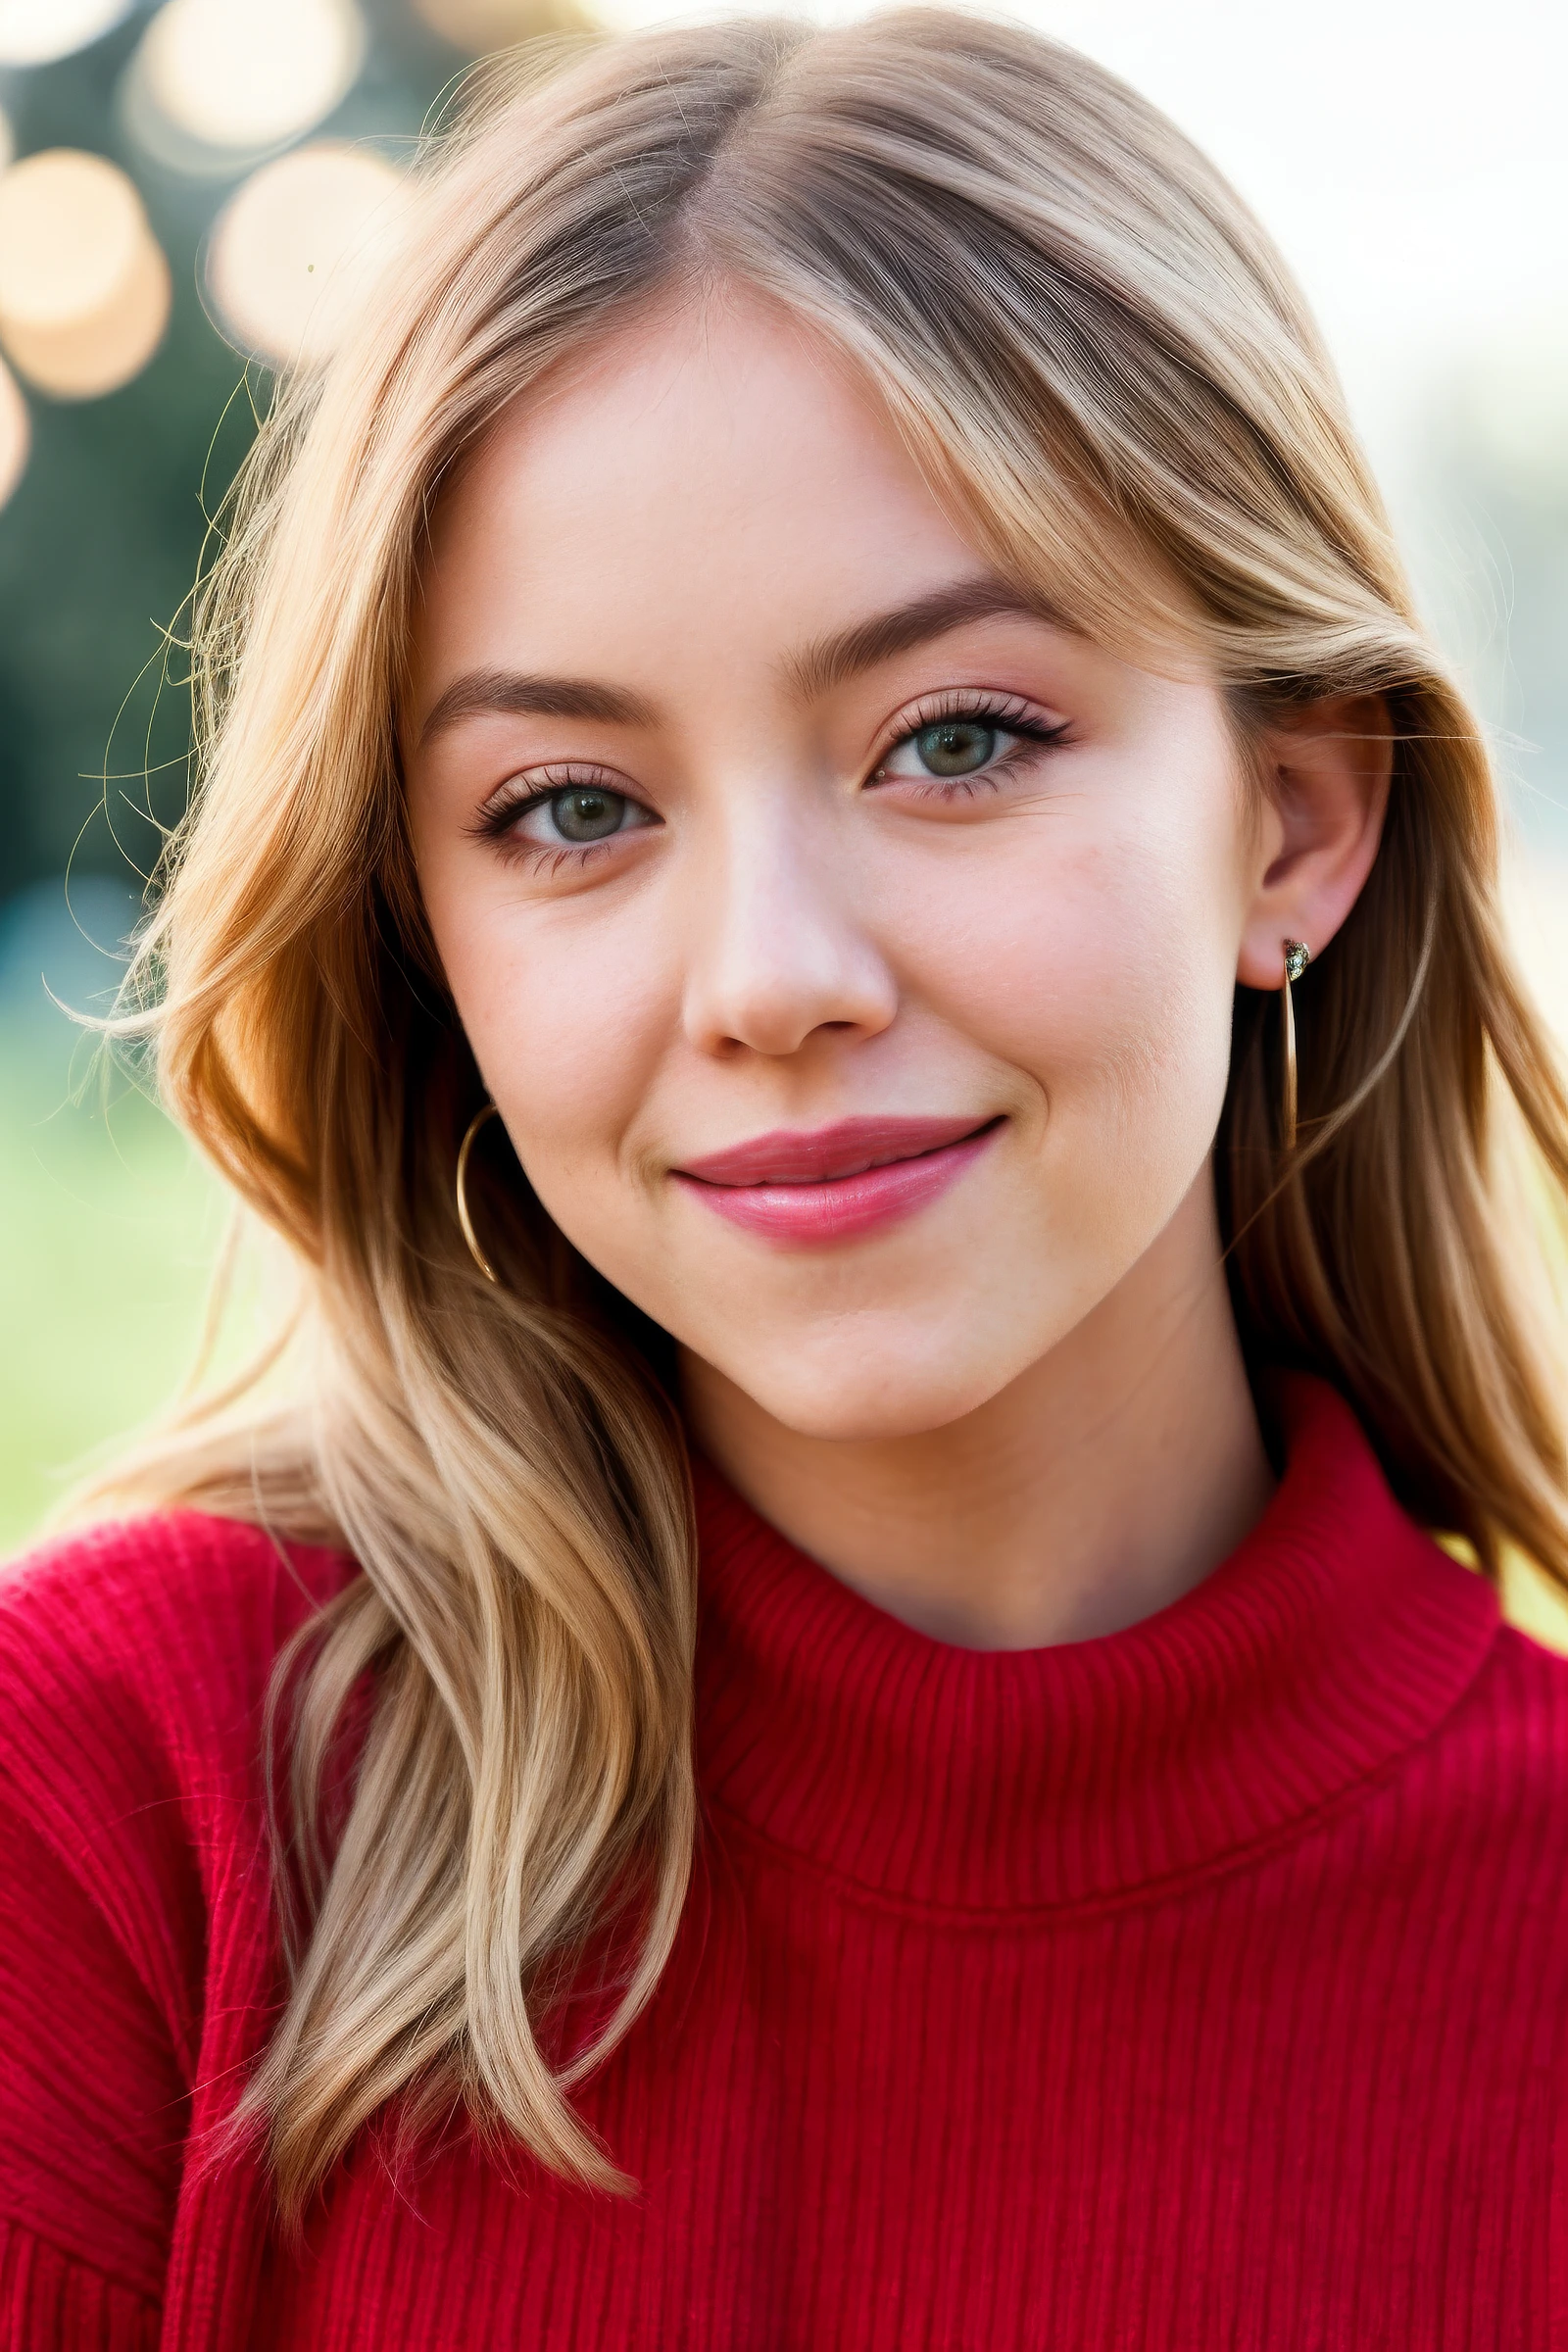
<point>1203,1989</point>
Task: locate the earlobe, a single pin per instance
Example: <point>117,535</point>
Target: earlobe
<point>1330,768</point>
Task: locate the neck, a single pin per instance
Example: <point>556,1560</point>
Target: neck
<point>1098,1487</point>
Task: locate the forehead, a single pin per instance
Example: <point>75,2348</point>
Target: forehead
<point>714,467</point>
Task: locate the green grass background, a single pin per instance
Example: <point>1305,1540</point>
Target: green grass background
<point>109,1227</point>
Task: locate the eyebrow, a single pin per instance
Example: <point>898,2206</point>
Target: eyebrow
<point>823,664</point>
<point>510,690</point>
<point>830,660</point>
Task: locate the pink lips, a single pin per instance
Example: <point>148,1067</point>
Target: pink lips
<point>829,1183</point>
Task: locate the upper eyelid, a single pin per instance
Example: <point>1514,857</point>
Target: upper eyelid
<point>941,702</point>
<point>518,790</point>
<point>959,702</point>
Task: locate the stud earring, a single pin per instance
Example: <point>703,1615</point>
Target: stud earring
<point>478,1256</point>
<point>1297,955</point>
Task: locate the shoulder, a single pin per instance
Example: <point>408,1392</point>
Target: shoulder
<point>177,1617</point>
<point>134,1661</point>
<point>1512,1723</point>
<point>162,1595</point>
<point>1488,1792</point>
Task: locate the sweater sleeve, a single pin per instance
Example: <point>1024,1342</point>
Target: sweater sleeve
<point>103,1930</point>
<point>49,2303</point>
<point>91,2119</point>
<point>136,1945</point>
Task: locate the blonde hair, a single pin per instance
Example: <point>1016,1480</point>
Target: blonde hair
<point>1098,357</point>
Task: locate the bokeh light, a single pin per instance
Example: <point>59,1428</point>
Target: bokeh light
<point>34,32</point>
<point>295,247</point>
<point>217,83</point>
<point>636,16</point>
<point>16,433</point>
<point>480,26</point>
<point>85,288</point>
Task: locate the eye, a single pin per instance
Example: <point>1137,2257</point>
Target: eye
<point>949,745</point>
<point>573,816</point>
<point>584,812</point>
<point>952,747</point>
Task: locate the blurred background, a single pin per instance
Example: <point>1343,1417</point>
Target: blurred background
<point>188,192</point>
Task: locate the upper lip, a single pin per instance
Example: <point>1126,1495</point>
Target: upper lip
<point>818,1154</point>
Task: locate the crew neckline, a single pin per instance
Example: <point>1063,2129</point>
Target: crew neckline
<point>1335,1637</point>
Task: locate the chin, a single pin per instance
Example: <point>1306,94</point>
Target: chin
<point>854,1392</point>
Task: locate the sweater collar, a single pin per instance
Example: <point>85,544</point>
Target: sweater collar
<point>1331,1640</point>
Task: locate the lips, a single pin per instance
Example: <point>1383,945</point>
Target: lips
<point>830,1183</point>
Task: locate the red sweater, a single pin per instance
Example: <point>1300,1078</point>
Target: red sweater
<point>1203,1987</point>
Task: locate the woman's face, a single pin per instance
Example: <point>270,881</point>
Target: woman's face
<point>850,951</point>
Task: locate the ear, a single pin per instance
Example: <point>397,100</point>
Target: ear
<point>1329,770</point>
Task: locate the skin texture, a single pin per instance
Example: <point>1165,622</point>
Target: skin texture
<point>1018,1415</point>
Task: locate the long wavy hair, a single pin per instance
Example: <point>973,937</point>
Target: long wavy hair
<point>1100,362</point>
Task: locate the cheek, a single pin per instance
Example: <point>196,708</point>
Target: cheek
<point>567,1019</point>
<point>1101,966</point>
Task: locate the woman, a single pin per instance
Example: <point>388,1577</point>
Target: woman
<point>827,850</point>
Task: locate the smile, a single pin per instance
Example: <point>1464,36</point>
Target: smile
<point>832,1183</point>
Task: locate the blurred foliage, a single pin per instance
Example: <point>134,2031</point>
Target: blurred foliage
<point>99,546</point>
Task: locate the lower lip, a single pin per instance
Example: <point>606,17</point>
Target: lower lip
<point>844,1205</point>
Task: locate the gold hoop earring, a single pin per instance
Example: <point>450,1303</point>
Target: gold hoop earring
<point>1297,955</point>
<point>478,1256</point>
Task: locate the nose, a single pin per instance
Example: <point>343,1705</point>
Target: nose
<point>778,953</point>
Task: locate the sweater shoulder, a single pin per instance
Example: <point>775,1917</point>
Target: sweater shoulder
<point>134,1661</point>
<point>150,1568</point>
<point>1500,1758</point>
<point>189,1609</point>
<point>1521,1696</point>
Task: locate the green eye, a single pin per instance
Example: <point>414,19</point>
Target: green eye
<point>956,747</point>
<point>584,814</point>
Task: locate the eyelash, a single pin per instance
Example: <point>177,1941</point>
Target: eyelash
<point>1006,712</point>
